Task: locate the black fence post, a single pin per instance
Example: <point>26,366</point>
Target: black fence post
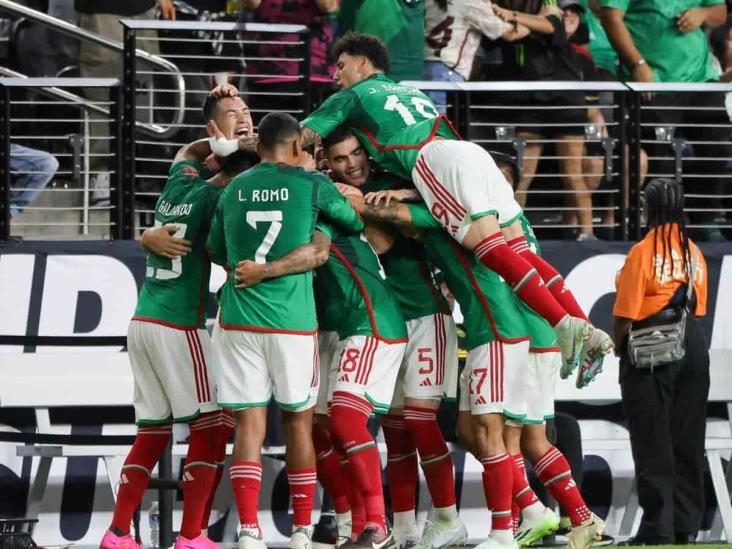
<point>634,184</point>
<point>126,132</point>
<point>4,164</point>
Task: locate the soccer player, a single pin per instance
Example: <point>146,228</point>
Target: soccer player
<point>265,341</point>
<point>402,131</point>
<point>429,362</point>
<point>504,378</point>
<point>169,351</point>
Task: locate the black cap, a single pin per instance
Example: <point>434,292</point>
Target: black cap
<point>572,4</point>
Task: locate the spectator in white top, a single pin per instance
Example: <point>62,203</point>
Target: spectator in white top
<point>454,30</point>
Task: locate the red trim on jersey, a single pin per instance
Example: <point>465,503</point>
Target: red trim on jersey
<point>202,365</point>
<point>166,324</point>
<point>261,329</point>
<point>381,148</point>
<point>194,363</point>
<point>483,301</point>
<point>365,296</point>
<point>544,350</point>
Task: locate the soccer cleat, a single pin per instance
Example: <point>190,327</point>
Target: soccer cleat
<point>534,529</point>
<point>584,535</point>
<point>493,543</point>
<point>200,542</point>
<point>371,538</point>
<point>442,534</point>
<point>301,538</point>
<point>345,528</point>
<point>572,334</point>
<point>251,538</point>
<point>113,541</point>
<point>325,533</point>
<point>406,543</point>
<point>596,347</point>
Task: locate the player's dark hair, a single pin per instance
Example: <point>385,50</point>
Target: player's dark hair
<point>503,159</point>
<point>339,135</point>
<point>664,203</point>
<point>237,162</point>
<point>277,128</point>
<point>367,45</point>
<point>208,109</point>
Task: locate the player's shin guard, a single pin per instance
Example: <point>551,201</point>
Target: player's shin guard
<point>433,454</point>
<point>199,472</point>
<point>497,485</point>
<point>302,491</point>
<point>348,417</point>
<point>246,481</point>
<point>494,253</point>
<point>401,465</point>
<point>553,280</point>
<point>553,471</point>
<point>144,454</point>
<point>523,495</point>
<point>330,472</point>
<point>225,429</point>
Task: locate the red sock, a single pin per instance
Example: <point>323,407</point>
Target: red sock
<point>355,501</point>
<point>494,253</point>
<point>553,280</point>
<point>553,470</point>
<point>246,480</point>
<point>348,417</point>
<point>523,495</point>
<point>401,464</point>
<point>225,430</point>
<point>144,454</point>
<point>199,472</point>
<point>330,473</point>
<point>302,491</point>
<point>497,484</point>
<point>433,454</point>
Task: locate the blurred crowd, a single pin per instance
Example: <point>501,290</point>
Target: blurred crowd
<point>479,40</point>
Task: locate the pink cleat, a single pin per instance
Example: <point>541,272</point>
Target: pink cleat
<point>201,542</point>
<point>113,541</point>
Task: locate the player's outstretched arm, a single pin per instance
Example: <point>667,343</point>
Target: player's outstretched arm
<point>302,259</point>
<point>400,195</point>
<point>198,151</point>
<point>160,241</point>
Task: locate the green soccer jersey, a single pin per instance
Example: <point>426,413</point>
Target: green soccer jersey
<point>399,23</point>
<point>407,271</point>
<point>356,298</point>
<point>175,291</point>
<point>391,121</point>
<point>263,214</point>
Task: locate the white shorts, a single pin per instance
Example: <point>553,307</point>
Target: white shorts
<point>540,387</point>
<point>430,360</point>
<point>171,370</point>
<point>494,379</point>
<point>460,182</point>
<point>328,346</point>
<point>252,368</point>
<point>368,367</point>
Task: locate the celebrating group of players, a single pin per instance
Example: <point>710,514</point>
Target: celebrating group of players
<point>331,308</point>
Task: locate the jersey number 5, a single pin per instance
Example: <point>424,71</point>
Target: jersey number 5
<point>273,217</point>
<point>421,105</point>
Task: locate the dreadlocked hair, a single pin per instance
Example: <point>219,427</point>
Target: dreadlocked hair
<point>664,202</point>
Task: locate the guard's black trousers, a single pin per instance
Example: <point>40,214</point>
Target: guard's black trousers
<point>666,412</point>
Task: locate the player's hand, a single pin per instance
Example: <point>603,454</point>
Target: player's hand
<point>385,197</point>
<point>225,90</point>
<point>691,19</point>
<point>160,241</point>
<point>167,10</point>
<point>502,13</point>
<point>644,73</point>
<point>551,9</point>
<point>212,163</point>
<point>248,273</point>
<point>308,162</point>
<point>220,145</point>
<point>348,190</point>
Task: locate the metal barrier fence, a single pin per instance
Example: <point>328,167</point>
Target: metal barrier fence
<point>270,64</point>
<point>46,163</point>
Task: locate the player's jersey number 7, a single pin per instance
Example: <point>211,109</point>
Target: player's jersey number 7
<point>274,217</point>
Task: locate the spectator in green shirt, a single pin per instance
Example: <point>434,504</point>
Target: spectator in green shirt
<point>664,41</point>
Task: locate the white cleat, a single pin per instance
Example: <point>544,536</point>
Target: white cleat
<point>572,333</point>
<point>584,535</point>
<point>492,543</point>
<point>251,538</point>
<point>301,538</point>
<point>596,347</point>
<point>443,534</point>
